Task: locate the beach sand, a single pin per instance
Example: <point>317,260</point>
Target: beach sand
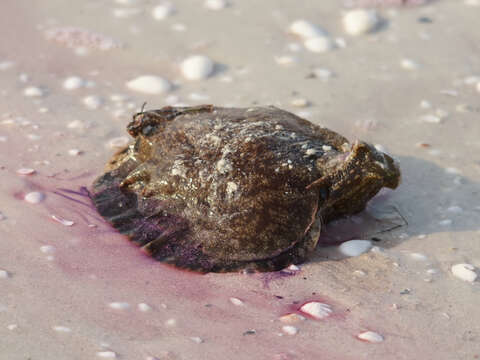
<point>72,288</point>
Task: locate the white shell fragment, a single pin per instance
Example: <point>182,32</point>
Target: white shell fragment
<point>370,336</point>
<point>107,354</point>
<point>289,330</point>
<point>34,91</point>
<point>34,197</point>
<point>197,67</point>
<point>4,274</point>
<point>197,339</point>
<point>62,221</point>
<point>409,64</point>
<point>162,11</point>
<point>149,84</point>
<point>306,29</point>
<point>465,272</point>
<point>117,305</point>
<point>26,171</point>
<point>360,21</point>
<point>236,301</point>
<point>355,247</point>
<point>316,309</point>
<point>93,102</point>
<point>47,249</point>
<point>61,329</point>
<point>144,307</point>
<point>291,318</point>
<point>73,83</point>
<point>215,4</point>
<point>319,44</point>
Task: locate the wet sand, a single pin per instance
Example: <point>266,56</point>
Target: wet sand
<point>72,291</point>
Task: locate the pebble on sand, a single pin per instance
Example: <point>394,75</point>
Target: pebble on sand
<point>355,247</point>
<point>34,197</point>
<point>316,309</point>
<point>4,274</point>
<point>215,4</point>
<point>34,91</point>
<point>370,336</point>
<point>360,21</point>
<point>319,44</point>
<point>306,29</point>
<point>465,272</point>
<point>197,67</point>
<point>149,84</point>
<point>118,305</point>
<point>162,11</point>
<point>73,83</point>
<point>26,171</point>
<point>289,330</point>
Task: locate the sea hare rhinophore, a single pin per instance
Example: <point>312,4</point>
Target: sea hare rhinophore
<point>224,189</point>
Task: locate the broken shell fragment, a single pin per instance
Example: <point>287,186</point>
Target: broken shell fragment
<point>226,189</point>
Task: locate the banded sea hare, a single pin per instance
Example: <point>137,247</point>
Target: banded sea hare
<point>225,189</point>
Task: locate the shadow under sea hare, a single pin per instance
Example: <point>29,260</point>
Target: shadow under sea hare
<point>224,189</point>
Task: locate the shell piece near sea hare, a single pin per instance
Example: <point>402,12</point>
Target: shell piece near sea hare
<point>224,189</point>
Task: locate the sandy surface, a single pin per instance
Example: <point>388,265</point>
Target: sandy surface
<point>60,282</point>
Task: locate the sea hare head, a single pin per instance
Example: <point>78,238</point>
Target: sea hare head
<point>224,189</point>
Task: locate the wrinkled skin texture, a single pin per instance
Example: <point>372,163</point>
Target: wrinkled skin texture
<point>225,189</point>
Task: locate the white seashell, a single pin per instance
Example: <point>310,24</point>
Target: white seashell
<point>465,272</point>
<point>319,44</point>
<point>355,247</point>
<point>93,102</point>
<point>289,330</point>
<point>118,305</point>
<point>215,4</point>
<point>34,91</point>
<point>306,29</point>
<point>360,21</point>
<point>371,336</point>
<point>62,221</point>
<point>197,67</point>
<point>316,309</point>
<point>149,84</point>
<point>73,83</point>
<point>34,197</point>
<point>163,11</point>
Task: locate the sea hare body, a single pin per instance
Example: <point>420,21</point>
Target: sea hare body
<point>223,189</point>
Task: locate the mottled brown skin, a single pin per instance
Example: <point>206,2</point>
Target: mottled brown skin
<point>223,189</point>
